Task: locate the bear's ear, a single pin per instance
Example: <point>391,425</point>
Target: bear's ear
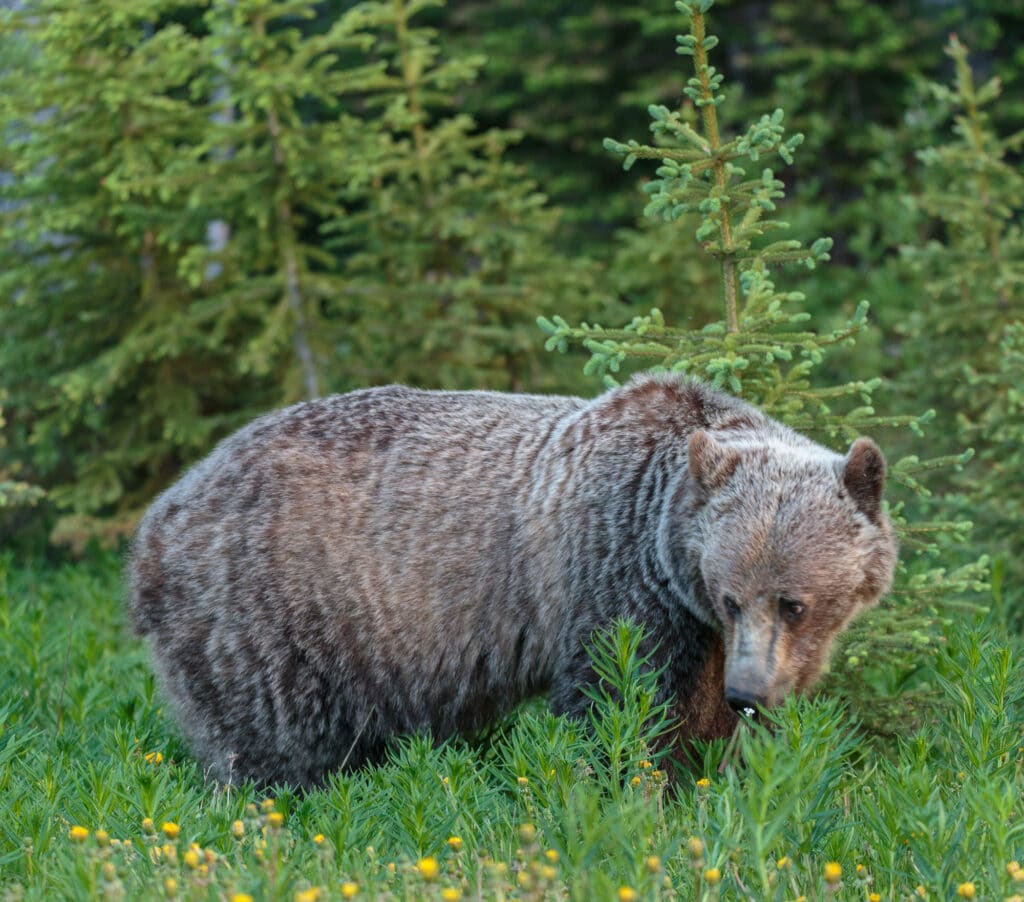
<point>711,462</point>
<point>864,476</point>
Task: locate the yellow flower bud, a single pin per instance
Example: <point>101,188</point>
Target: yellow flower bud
<point>455,843</point>
<point>171,887</point>
<point>451,894</point>
<point>78,834</point>
<point>695,846</point>
<point>275,820</point>
<point>238,829</point>
<point>527,833</point>
<point>652,863</point>
<point>171,829</point>
<point>833,871</point>
<point>713,876</point>
<point>966,890</point>
<point>241,897</point>
<point>548,872</point>
<point>703,783</point>
<point>627,894</point>
<point>349,890</point>
<point>552,856</point>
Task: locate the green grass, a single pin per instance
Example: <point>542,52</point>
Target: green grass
<point>541,808</point>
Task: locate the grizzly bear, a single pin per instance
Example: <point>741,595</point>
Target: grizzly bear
<point>396,560</point>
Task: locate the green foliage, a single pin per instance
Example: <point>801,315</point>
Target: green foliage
<point>13,491</point>
<point>447,247</point>
<point>972,269</point>
<point>763,349</point>
<point>213,213</point>
<point>85,742</point>
<point>972,273</point>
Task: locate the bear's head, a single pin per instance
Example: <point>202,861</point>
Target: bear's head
<point>791,543</point>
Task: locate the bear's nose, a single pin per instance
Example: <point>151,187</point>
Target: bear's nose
<point>744,703</point>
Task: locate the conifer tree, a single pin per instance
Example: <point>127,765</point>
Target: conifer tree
<point>271,168</point>
<point>764,348</point>
<point>102,398</point>
<point>964,349</point>
<point>447,246</point>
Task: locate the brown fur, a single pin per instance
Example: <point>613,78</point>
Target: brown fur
<point>395,560</point>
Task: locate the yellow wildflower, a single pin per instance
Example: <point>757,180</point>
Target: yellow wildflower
<point>191,858</point>
<point>657,776</point>
<point>703,783</point>
<point>635,781</point>
<point>349,890</point>
<point>171,829</point>
<point>238,829</point>
<point>833,871</point>
<point>148,826</point>
<point>874,897</point>
<point>455,843</point>
<point>627,894</point>
<point>170,852</point>
<point>109,871</point>
<point>428,868</point>
<point>391,867</point>
<point>646,765</point>
<point>275,819</point>
<point>319,839</point>
<point>154,757</point>
<point>783,863</point>
<point>653,863</point>
<point>860,869</point>
<point>241,897</point>
<point>527,833</point>
<point>548,872</point>
<point>78,834</point>
<point>552,855</point>
<point>307,895</point>
<point>451,894</point>
<point>713,876</point>
<point>695,846</point>
<point>523,880</point>
<point>102,837</point>
<point>966,890</point>
<point>921,891</point>
<point>171,886</point>
<point>522,781</point>
<point>267,805</point>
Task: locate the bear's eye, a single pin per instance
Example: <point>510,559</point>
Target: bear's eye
<point>791,610</point>
<point>731,607</point>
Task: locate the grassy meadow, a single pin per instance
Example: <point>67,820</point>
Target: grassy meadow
<point>99,798</point>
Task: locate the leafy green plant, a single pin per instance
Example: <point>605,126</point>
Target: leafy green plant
<point>764,348</point>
